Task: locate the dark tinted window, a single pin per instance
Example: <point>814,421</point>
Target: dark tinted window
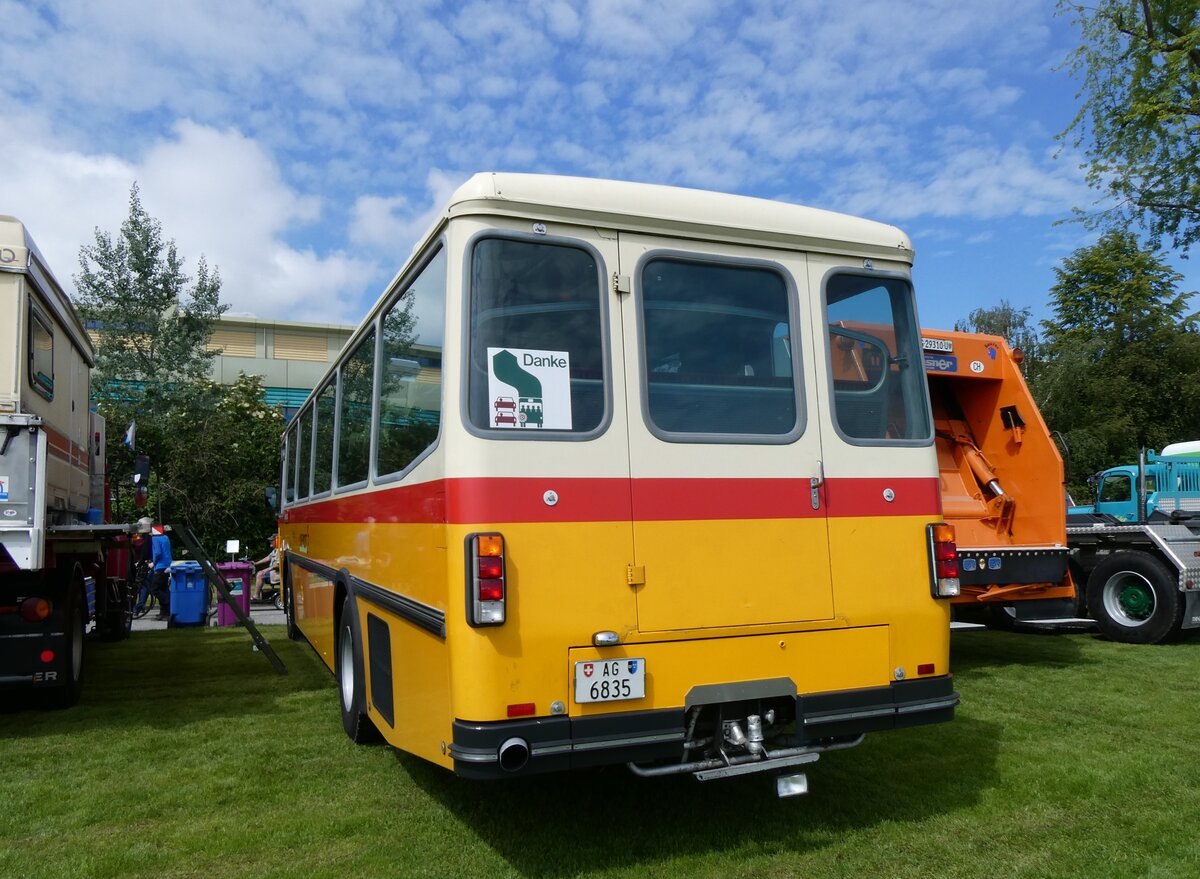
<point>717,349</point>
<point>536,338</point>
<point>41,354</point>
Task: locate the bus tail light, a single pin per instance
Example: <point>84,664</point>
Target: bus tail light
<point>943,558</point>
<point>486,588</point>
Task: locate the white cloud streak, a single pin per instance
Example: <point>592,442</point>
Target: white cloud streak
<point>301,145</point>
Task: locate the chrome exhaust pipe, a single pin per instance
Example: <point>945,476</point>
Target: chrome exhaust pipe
<point>513,754</point>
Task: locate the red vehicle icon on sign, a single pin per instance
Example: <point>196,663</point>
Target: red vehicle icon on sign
<point>506,411</point>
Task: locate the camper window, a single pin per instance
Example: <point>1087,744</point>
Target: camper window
<point>41,354</point>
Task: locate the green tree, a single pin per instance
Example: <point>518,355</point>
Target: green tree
<point>1121,356</point>
<point>1006,320</point>
<point>155,326</point>
<point>212,448</point>
<point>218,448</point>
<point>1139,124</point>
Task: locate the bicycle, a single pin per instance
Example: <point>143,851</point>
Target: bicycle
<point>143,576</point>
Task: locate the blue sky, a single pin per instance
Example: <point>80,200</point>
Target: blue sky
<point>303,146</point>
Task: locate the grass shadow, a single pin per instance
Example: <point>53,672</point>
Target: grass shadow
<point>975,649</point>
<point>166,679</point>
<point>614,819</point>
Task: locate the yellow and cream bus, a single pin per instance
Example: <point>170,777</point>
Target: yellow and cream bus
<point>623,473</point>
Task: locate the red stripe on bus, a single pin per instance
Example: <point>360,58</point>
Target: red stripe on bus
<point>858,496</point>
<point>673,499</point>
<point>462,501</point>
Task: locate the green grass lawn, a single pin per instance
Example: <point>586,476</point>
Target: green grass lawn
<point>188,756</point>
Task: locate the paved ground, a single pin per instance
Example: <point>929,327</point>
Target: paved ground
<point>261,614</point>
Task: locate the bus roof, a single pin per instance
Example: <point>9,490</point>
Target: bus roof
<point>19,253</point>
<point>686,212</point>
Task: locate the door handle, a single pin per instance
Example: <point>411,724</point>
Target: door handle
<point>815,484</point>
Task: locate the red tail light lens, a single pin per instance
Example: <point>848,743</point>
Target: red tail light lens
<point>943,556</point>
<point>486,588</point>
<point>491,590</point>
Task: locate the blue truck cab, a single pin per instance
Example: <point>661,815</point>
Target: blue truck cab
<point>1172,483</point>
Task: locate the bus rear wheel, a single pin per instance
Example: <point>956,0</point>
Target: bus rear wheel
<point>351,682</point>
<point>1134,599</point>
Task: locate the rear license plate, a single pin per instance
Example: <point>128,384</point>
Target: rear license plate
<point>610,681</point>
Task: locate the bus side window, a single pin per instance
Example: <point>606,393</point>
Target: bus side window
<point>356,378</point>
<point>304,453</point>
<point>323,459</point>
<point>289,466</point>
<point>410,392</point>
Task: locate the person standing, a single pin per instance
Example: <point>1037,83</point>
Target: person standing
<point>160,558</point>
<point>144,570</point>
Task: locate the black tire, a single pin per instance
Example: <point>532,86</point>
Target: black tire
<point>114,620</point>
<point>348,659</point>
<point>70,663</point>
<point>289,608</point>
<point>1002,617</point>
<point>1135,599</point>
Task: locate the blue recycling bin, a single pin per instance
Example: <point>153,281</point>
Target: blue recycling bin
<point>189,594</point>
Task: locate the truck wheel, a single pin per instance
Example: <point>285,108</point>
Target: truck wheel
<point>71,658</point>
<point>1002,617</point>
<point>1134,598</point>
<point>351,682</point>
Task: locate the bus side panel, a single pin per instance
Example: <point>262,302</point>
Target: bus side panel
<point>405,559</point>
<point>565,582</point>
<point>312,606</point>
<point>882,567</point>
<point>416,690</point>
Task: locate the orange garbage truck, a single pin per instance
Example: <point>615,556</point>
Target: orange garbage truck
<point>1002,480</point>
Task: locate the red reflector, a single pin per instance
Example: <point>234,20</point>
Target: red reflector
<point>491,568</point>
<point>925,668</point>
<point>521,709</point>
<point>947,568</point>
<point>491,590</point>
<point>47,656</point>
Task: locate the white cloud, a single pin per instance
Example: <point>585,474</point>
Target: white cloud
<point>216,193</point>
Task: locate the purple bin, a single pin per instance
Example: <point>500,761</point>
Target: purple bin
<point>240,577</point>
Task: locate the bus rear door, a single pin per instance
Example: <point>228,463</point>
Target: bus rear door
<point>729,527</point>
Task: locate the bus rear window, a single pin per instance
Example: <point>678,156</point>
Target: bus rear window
<point>879,385</point>
<point>536,338</point>
<point>717,351</point>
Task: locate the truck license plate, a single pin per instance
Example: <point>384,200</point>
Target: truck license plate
<point>610,680</point>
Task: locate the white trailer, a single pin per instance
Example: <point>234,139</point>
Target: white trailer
<point>53,543</point>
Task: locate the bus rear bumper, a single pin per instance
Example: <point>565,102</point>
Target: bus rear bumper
<point>548,744</point>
